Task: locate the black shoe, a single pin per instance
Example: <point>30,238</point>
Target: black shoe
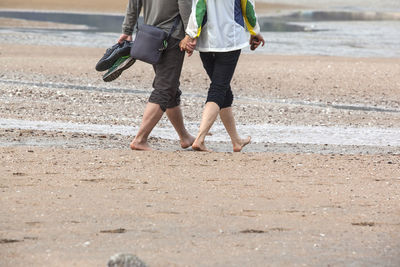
<point>113,54</point>
<point>119,66</point>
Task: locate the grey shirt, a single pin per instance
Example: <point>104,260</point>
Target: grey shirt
<point>159,13</point>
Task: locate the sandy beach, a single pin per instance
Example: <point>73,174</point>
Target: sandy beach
<point>75,198</point>
<point>67,207</point>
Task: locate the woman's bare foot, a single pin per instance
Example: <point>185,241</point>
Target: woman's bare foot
<point>198,146</point>
<point>140,146</point>
<point>238,147</point>
<point>187,141</point>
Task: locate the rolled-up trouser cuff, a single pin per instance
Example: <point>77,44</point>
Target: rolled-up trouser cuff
<point>221,96</point>
<point>162,98</point>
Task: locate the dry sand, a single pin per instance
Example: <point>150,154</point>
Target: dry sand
<point>61,207</point>
<point>76,199</point>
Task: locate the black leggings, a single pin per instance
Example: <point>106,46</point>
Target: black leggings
<point>220,67</point>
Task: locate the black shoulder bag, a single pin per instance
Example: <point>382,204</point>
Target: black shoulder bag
<point>150,41</point>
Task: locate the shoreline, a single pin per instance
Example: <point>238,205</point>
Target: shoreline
<point>335,38</point>
<point>82,98</point>
<point>120,7</point>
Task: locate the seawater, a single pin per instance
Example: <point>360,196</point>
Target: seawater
<point>367,36</point>
<point>262,133</point>
<point>338,38</point>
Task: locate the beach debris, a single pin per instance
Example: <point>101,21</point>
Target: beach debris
<point>19,174</point>
<point>125,260</point>
<point>7,241</point>
<point>256,231</point>
<point>252,231</point>
<point>370,224</point>
<point>114,231</point>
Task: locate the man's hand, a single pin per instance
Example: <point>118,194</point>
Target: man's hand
<point>255,41</point>
<point>188,44</point>
<point>124,37</point>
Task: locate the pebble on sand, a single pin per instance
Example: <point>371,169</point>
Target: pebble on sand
<point>125,260</point>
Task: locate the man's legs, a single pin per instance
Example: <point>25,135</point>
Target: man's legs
<point>164,98</point>
<point>152,114</point>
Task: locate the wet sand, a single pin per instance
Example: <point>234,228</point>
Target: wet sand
<point>287,90</point>
<point>29,24</point>
<point>117,6</point>
<point>75,199</point>
<point>263,6</point>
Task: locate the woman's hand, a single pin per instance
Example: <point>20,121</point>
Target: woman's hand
<point>188,44</point>
<point>255,41</point>
<point>124,37</point>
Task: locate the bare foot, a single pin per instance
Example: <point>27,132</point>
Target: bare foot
<point>140,146</point>
<point>187,141</point>
<point>241,145</point>
<point>200,147</point>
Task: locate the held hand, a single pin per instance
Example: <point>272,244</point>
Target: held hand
<point>188,44</point>
<point>191,46</point>
<point>255,41</point>
<point>124,37</point>
<point>183,42</point>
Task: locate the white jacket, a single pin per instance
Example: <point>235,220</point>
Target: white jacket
<point>220,25</point>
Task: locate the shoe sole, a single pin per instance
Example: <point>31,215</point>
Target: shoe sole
<point>109,62</point>
<point>113,74</point>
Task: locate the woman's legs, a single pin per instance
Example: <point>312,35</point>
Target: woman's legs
<point>210,114</point>
<point>220,67</point>
<point>228,120</point>
<point>176,118</point>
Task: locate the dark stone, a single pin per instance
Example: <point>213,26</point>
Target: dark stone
<point>125,260</point>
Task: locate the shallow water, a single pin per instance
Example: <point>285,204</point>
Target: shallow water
<point>264,133</point>
<point>353,34</point>
<point>338,38</point>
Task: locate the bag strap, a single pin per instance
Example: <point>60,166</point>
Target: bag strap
<point>165,42</point>
<point>138,14</point>
<point>176,22</point>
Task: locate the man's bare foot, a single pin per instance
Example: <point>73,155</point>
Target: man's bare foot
<point>187,141</point>
<point>241,145</point>
<point>197,146</point>
<point>140,146</point>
